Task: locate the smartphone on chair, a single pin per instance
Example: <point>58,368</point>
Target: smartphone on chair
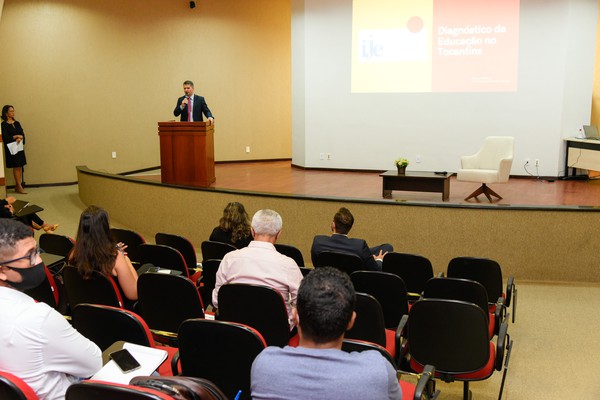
<point>125,360</point>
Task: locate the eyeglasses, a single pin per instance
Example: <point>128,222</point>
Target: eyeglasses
<point>31,256</point>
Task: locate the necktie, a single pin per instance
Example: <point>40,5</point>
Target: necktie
<point>189,109</point>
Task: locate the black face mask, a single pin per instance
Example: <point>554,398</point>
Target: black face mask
<point>30,277</point>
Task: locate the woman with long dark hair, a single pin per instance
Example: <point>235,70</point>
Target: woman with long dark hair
<point>234,226</point>
<point>96,250</point>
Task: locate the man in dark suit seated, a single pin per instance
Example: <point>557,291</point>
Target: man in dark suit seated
<point>339,241</point>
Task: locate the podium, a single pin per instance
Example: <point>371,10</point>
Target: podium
<point>187,154</point>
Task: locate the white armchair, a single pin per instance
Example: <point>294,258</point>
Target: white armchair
<point>491,164</point>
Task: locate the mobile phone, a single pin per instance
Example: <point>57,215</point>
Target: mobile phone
<point>125,360</point>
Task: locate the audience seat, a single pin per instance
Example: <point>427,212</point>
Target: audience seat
<point>388,289</point>
<point>425,387</point>
<point>345,262</point>
<point>185,247</point>
<point>292,252</point>
<point>489,274</point>
<point>164,257</point>
<point>132,239</point>
<point>453,336</point>
<point>105,325</point>
<point>369,325</point>
<point>212,250</point>
<point>260,307</point>
<point>415,270</point>
<point>14,388</point>
<point>165,301</point>
<point>98,289</point>
<point>222,352</point>
<point>100,390</point>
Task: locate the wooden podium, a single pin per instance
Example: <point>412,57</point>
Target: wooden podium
<point>187,154</point>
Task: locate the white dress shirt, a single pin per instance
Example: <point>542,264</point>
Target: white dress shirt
<point>260,264</point>
<point>39,346</point>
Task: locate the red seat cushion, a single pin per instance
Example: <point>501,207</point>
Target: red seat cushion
<point>165,368</point>
<point>408,390</point>
<point>390,342</point>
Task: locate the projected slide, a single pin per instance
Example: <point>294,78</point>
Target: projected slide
<point>434,46</point>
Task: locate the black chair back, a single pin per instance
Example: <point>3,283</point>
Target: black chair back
<point>345,262</point>
<point>222,352</point>
<point>260,307</point>
<point>209,280</point>
<point>165,301</point>
<point>457,289</point>
<point>181,244</point>
<point>483,270</point>
<point>100,390</point>
<point>163,256</point>
<point>292,252</point>
<point>106,325</point>
<point>215,250</point>
<point>97,289</point>
<point>415,271</point>
<point>450,334</point>
<point>388,289</point>
<point>14,388</point>
<point>56,244</point>
<point>131,238</point>
<point>369,324</point>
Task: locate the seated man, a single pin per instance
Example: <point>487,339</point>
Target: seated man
<point>260,263</point>
<point>339,241</point>
<point>318,368</point>
<point>37,344</point>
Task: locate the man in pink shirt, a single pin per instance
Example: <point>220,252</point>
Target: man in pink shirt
<point>260,263</point>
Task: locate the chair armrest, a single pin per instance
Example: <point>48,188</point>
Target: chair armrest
<point>500,314</point>
<point>174,363</point>
<point>503,345</point>
<point>425,389</point>
<point>510,286</point>
<point>400,339</point>
<point>440,274</point>
<point>504,169</point>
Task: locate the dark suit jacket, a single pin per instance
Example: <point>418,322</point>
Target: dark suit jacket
<point>344,244</point>
<point>200,108</point>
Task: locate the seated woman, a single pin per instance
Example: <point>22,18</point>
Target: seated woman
<point>95,250</point>
<point>33,220</point>
<point>234,226</point>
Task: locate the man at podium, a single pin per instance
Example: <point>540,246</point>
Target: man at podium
<point>191,106</point>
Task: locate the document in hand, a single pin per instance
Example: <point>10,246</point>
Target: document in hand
<point>148,357</point>
<point>15,147</point>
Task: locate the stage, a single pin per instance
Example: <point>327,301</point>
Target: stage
<point>283,178</point>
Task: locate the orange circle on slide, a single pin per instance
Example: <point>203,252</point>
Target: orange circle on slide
<point>415,24</point>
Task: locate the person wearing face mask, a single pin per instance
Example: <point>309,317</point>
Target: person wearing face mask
<point>37,344</point>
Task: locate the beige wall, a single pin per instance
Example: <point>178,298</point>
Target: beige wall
<point>91,77</point>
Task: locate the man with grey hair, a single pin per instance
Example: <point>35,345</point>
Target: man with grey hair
<point>260,263</point>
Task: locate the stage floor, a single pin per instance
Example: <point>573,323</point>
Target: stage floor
<point>282,177</point>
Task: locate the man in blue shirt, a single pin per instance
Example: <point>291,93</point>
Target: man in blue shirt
<point>318,368</point>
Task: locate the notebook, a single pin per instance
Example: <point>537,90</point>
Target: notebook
<point>591,132</point>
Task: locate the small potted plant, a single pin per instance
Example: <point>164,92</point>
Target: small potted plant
<point>401,164</point>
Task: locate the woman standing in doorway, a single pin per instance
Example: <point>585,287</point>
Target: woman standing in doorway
<point>12,132</point>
